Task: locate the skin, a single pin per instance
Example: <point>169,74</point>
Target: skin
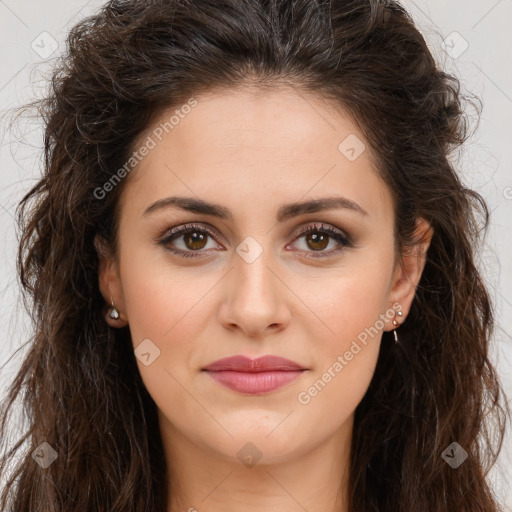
<point>250,152</point>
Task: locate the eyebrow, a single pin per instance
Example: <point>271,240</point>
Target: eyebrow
<point>286,211</point>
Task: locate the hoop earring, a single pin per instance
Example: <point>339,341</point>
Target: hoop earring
<point>114,314</point>
<point>396,324</point>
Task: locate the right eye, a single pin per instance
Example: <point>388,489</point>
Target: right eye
<point>194,239</point>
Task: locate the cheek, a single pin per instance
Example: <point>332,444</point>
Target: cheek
<point>166,315</point>
<point>159,306</point>
<point>162,300</point>
<point>333,393</point>
<point>347,303</point>
<point>347,342</point>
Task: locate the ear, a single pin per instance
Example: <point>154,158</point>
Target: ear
<point>110,283</point>
<point>409,269</point>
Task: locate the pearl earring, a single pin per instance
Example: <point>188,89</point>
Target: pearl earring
<point>396,324</point>
<point>114,314</point>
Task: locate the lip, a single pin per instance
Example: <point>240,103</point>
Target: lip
<point>260,364</point>
<point>254,376</point>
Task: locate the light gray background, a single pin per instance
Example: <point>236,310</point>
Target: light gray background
<point>471,38</point>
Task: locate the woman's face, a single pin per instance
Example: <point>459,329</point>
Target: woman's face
<point>245,281</point>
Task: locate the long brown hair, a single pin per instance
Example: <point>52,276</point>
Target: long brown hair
<point>83,398</point>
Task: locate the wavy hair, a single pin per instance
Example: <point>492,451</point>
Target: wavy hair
<point>81,390</point>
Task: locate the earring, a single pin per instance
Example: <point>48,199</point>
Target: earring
<point>396,324</point>
<point>114,313</point>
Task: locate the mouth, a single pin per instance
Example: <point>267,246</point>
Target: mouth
<point>254,376</point>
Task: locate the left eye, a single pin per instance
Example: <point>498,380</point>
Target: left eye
<point>317,238</point>
<point>195,237</point>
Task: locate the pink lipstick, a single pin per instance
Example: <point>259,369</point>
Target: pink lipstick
<point>254,376</point>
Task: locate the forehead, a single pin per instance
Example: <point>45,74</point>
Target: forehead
<point>275,145</point>
<point>281,118</point>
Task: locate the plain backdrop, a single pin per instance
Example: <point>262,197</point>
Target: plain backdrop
<point>470,38</point>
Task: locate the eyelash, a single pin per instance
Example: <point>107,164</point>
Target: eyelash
<point>320,228</point>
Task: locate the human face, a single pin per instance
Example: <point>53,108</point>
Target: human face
<point>255,286</point>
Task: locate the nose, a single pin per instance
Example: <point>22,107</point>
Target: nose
<point>255,299</point>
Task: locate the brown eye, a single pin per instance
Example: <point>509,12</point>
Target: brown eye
<point>317,241</point>
<point>317,238</point>
<point>195,240</point>
<point>192,238</point>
